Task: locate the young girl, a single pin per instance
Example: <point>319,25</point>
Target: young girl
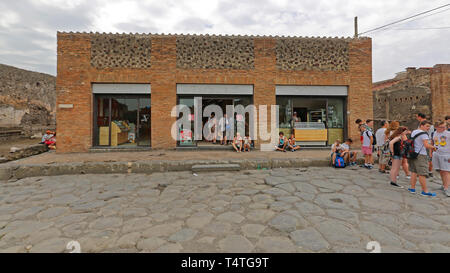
<point>247,140</point>
<point>395,142</point>
<point>292,144</point>
<point>237,143</point>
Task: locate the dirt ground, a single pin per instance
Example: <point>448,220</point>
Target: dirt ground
<point>5,146</point>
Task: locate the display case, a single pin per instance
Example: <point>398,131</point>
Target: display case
<point>310,133</point>
<point>119,132</point>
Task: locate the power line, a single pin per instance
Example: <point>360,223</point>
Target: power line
<point>404,19</point>
<point>419,28</point>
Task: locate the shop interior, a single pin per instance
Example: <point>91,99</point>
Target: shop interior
<point>123,121</point>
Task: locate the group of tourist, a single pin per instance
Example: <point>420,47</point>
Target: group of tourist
<point>49,139</point>
<point>417,151</point>
<point>286,144</point>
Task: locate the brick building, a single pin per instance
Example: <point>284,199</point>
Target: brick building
<point>425,90</point>
<point>118,90</point>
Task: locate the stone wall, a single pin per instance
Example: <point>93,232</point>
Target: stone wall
<point>415,91</point>
<point>122,50</point>
<point>196,52</point>
<point>27,99</point>
<point>321,54</point>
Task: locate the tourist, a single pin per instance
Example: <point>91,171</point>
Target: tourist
<point>51,142</point>
<point>367,146</point>
<point>380,136</point>
<point>212,124</point>
<point>282,143</point>
<point>349,156</point>
<point>395,146</point>
<point>393,126</point>
<point>237,143</point>
<point>224,128</point>
<point>422,117</point>
<point>48,134</point>
<point>291,143</point>
<point>441,158</point>
<point>336,150</point>
<point>419,166</point>
<point>246,143</point>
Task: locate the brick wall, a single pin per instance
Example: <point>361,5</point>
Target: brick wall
<point>76,73</point>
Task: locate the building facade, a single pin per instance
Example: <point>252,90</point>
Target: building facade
<point>417,90</point>
<point>118,90</point>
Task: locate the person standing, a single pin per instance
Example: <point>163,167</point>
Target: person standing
<point>381,138</point>
<point>422,117</point>
<point>419,166</point>
<point>367,147</point>
<point>441,158</point>
<point>395,144</point>
<point>447,120</point>
<point>224,128</point>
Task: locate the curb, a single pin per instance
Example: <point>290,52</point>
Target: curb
<point>154,166</point>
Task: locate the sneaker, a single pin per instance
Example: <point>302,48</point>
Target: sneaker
<point>447,192</point>
<point>408,177</point>
<point>292,150</point>
<point>413,191</point>
<point>396,185</point>
<point>430,174</point>
<point>369,167</point>
<point>430,194</point>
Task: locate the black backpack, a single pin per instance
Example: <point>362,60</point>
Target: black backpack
<point>374,138</point>
<point>408,146</point>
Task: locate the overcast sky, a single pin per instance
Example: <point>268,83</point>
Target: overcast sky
<point>28,27</point>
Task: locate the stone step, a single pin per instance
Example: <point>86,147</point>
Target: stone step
<point>216,167</point>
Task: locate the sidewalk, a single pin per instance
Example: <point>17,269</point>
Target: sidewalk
<point>53,157</point>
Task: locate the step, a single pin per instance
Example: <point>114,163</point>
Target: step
<point>216,167</point>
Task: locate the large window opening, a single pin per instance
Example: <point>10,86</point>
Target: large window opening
<point>122,120</point>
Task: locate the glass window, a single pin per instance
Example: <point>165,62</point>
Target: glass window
<point>285,111</point>
<point>335,113</point>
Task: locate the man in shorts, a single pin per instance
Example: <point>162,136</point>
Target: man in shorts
<point>349,156</point>
<point>441,158</point>
<point>367,146</point>
<point>419,165</point>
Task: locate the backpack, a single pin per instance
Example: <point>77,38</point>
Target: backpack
<point>408,146</point>
<point>385,150</point>
<point>374,138</point>
<point>339,162</point>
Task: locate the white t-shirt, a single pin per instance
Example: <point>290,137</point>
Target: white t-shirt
<point>379,135</point>
<point>345,147</point>
<point>442,142</point>
<point>418,142</point>
<point>338,148</point>
<point>366,138</point>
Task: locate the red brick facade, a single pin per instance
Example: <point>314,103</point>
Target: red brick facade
<point>75,75</point>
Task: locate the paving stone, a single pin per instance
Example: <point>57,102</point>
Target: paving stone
<point>380,234</point>
<point>169,248</point>
<point>426,235</point>
<point>284,223</point>
<point>337,201</point>
<point>252,230</point>
<point>218,228</point>
<point>394,196</point>
<point>263,198</point>
<point>336,232</point>
<point>231,217</point>
<point>183,235</point>
<point>280,206</point>
<point>274,244</point>
<point>419,221</point>
<point>258,206</point>
<point>42,235</point>
<point>326,184</point>
<point>307,208</point>
<point>235,244</point>
<point>106,222</point>
<point>180,213</point>
<point>288,199</point>
<point>65,199</point>
<point>305,196</point>
<point>274,180</point>
<point>241,199</point>
<point>159,217</point>
<point>199,220</point>
<point>28,213</point>
<point>88,207</point>
<point>74,230</point>
<point>54,245</point>
<point>163,229</point>
<point>276,192</point>
<point>52,212</point>
<point>134,212</point>
<point>375,204</point>
<point>260,215</point>
<point>305,187</point>
<point>207,240</point>
<point>150,244</point>
<point>287,187</point>
<point>310,239</point>
<point>129,240</point>
<point>345,215</point>
<point>135,224</point>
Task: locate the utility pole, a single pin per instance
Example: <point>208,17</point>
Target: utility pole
<point>356,27</point>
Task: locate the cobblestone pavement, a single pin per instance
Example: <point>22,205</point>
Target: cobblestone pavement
<point>280,210</point>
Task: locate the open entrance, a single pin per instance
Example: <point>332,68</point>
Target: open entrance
<point>122,120</point>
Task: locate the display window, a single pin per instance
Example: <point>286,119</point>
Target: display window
<point>312,120</point>
<point>122,120</point>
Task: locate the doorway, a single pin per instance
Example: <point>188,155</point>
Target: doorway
<point>122,121</point>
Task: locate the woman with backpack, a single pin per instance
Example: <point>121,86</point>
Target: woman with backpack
<point>395,146</point>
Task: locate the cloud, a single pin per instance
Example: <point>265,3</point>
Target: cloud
<point>28,27</point>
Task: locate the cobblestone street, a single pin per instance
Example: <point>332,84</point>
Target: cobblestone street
<point>281,210</point>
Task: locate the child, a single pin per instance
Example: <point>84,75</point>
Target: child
<point>246,144</point>
<point>367,146</point>
<point>349,157</point>
<point>292,144</point>
<point>335,150</point>
<point>282,143</point>
<point>237,143</point>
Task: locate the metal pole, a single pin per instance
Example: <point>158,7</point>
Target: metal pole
<point>356,26</point>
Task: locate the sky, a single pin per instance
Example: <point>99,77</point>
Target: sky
<point>28,27</point>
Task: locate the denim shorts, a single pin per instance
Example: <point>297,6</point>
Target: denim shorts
<point>397,157</point>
